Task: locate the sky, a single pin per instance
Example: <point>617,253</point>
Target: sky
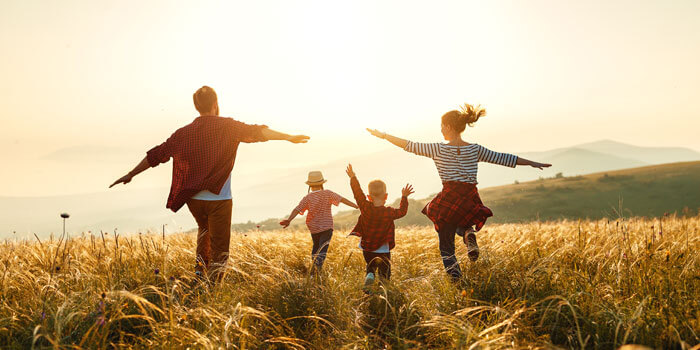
<point>88,86</point>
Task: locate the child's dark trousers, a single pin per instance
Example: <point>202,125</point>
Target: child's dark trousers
<point>321,242</point>
<point>380,262</point>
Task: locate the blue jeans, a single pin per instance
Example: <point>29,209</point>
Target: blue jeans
<point>318,252</point>
<point>447,250</point>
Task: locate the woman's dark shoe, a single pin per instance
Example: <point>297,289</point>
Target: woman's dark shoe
<point>472,246</point>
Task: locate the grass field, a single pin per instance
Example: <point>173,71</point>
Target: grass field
<point>569,284</point>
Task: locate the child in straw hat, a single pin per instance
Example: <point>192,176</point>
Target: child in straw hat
<point>319,220</point>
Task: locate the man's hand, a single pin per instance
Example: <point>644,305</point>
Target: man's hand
<point>285,223</point>
<point>540,165</point>
<point>298,138</point>
<point>377,133</point>
<point>407,191</point>
<point>122,180</point>
<point>349,171</point>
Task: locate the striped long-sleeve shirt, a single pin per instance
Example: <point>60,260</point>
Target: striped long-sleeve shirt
<point>460,163</point>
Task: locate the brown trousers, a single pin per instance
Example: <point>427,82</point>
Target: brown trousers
<point>380,262</point>
<point>214,236</point>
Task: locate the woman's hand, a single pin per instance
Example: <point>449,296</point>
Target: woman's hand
<point>377,133</point>
<point>540,165</point>
<point>396,141</point>
<point>285,223</point>
<point>523,161</point>
<point>407,191</point>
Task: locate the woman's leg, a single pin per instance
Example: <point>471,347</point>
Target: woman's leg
<point>469,238</point>
<point>447,251</point>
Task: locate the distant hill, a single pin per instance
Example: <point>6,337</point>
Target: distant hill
<point>646,191</point>
<point>268,192</point>
<point>651,155</point>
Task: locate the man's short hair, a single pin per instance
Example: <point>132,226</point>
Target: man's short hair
<point>377,188</point>
<point>204,99</point>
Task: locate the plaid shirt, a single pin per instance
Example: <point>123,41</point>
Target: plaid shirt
<point>457,204</point>
<point>375,226</point>
<point>203,153</point>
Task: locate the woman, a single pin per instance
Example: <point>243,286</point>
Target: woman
<point>457,209</point>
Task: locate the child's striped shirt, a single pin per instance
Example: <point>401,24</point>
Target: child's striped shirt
<point>459,163</point>
<point>318,203</point>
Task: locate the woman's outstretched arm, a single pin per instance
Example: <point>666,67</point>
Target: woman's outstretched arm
<point>399,142</point>
<point>523,161</point>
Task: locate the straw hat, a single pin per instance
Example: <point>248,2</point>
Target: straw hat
<point>315,178</point>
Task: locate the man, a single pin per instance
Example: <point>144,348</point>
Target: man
<point>203,154</point>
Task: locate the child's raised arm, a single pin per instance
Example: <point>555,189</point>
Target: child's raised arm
<point>403,206</point>
<point>362,202</point>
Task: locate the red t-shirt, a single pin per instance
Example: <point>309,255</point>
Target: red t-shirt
<point>318,203</point>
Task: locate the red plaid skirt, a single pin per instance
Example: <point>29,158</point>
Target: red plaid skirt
<point>457,204</point>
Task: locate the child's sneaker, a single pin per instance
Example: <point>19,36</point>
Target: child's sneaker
<point>369,281</point>
<point>472,246</point>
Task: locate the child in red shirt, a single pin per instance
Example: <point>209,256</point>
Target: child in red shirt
<point>375,226</point>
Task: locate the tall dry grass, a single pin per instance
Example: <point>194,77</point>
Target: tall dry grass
<point>590,284</point>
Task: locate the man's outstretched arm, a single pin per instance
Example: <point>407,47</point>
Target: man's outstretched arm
<point>143,165</point>
<point>270,134</point>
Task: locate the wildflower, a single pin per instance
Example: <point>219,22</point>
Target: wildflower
<point>65,215</point>
<point>43,315</point>
<point>668,256</point>
<point>464,293</point>
<point>156,271</point>
<point>58,268</point>
<point>198,273</point>
<point>172,278</point>
<point>104,295</point>
<point>258,226</point>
